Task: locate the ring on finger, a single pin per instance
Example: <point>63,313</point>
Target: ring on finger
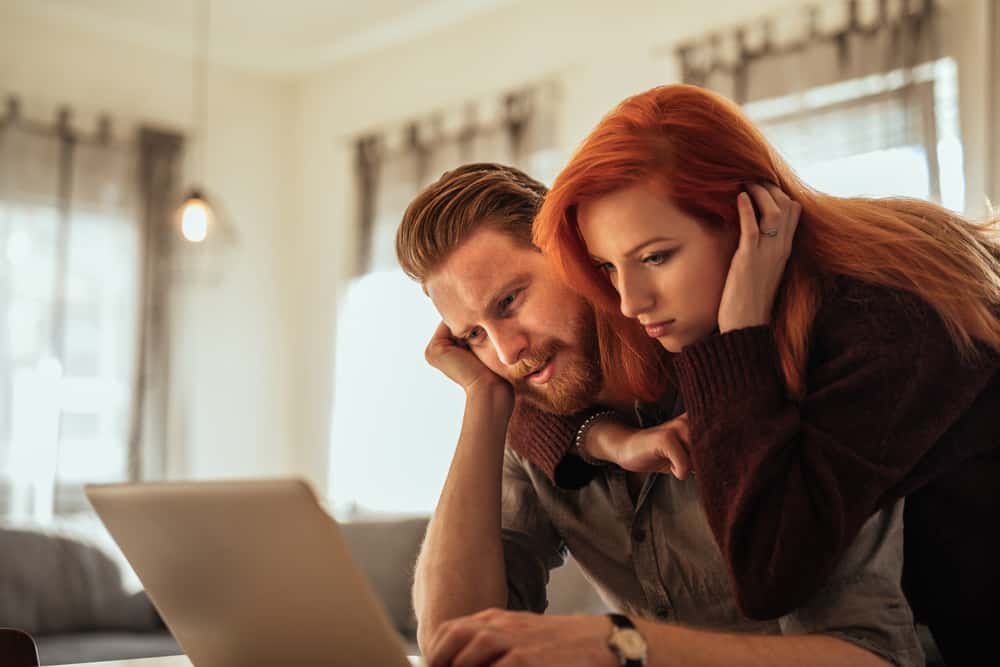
<point>770,233</point>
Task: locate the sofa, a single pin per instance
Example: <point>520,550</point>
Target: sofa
<point>70,595</point>
<point>76,596</point>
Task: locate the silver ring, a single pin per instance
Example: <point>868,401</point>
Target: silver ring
<point>770,233</point>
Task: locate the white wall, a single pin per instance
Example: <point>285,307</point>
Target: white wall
<point>230,413</point>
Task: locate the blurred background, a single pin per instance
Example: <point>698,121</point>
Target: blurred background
<point>285,341</point>
<point>198,201</point>
<point>273,333</point>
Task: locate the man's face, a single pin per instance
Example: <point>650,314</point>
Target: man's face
<point>505,302</point>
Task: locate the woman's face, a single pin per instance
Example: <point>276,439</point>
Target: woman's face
<point>668,267</point>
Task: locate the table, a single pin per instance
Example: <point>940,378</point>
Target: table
<point>173,661</point>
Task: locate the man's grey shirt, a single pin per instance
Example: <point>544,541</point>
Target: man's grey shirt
<point>657,558</point>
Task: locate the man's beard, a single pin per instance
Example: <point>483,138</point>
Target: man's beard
<point>578,380</point>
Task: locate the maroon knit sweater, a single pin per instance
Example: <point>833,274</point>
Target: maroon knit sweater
<point>889,408</point>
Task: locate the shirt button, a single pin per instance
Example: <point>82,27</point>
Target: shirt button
<point>639,535</point>
<point>662,611</point>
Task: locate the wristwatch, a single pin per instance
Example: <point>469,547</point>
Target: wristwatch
<point>626,642</point>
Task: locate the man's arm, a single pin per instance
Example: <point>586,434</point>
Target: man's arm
<point>858,617</point>
<point>498,638</point>
<point>461,568</point>
<point>673,645</point>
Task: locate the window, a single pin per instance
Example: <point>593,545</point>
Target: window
<point>64,416</point>
<point>882,135</point>
<point>395,419</point>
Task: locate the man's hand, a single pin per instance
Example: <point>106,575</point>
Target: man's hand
<point>454,359</point>
<point>506,638</point>
<point>662,449</point>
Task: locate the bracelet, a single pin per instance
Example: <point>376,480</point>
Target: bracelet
<point>582,432</point>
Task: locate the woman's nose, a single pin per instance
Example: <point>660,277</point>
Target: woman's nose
<point>636,297</point>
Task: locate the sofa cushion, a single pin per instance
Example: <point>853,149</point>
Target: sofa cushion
<point>100,646</point>
<point>386,552</point>
<point>53,584</point>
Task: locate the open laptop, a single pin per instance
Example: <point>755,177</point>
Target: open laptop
<point>249,573</point>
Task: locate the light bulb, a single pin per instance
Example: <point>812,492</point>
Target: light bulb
<point>194,219</point>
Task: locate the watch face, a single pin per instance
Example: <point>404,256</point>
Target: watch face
<point>630,643</point>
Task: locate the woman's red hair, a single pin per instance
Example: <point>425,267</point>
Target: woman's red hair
<point>698,149</point>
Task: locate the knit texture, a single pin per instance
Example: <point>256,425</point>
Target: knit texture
<point>548,441</point>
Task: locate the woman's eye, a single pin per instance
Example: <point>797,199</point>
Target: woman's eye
<point>657,258</point>
<point>506,301</point>
<point>606,267</point>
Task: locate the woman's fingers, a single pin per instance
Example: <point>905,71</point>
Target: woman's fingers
<point>770,212</point>
<point>677,454</point>
<point>749,231</point>
<point>673,447</point>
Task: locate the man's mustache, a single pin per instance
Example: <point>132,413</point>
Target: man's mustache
<point>532,363</point>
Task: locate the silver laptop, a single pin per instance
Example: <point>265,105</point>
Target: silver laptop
<point>248,573</point>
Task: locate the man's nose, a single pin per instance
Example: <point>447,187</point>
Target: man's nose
<point>511,343</point>
<point>636,295</point>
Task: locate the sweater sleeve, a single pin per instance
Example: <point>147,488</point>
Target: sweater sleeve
<point>547,441</point>
<point>787,485</point>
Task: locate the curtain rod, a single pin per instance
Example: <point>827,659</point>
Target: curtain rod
<point>909,11</point>
<point>60,128</point>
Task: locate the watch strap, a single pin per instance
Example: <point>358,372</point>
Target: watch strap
<point>623,622</point>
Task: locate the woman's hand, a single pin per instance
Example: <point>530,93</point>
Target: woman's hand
<point>759,261</point>
<point>661,449</point>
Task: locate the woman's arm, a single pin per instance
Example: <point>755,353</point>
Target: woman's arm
<point>786,486</point>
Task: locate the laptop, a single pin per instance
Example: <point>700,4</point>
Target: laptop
<point>249,573</point>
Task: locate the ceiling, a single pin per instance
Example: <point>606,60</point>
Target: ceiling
<point>275,36</point>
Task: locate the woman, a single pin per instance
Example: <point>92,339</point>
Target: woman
<point>817,391</point>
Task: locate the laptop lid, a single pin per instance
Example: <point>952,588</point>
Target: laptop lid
<point>248,573</point>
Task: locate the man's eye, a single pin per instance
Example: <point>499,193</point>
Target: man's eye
<point>473,336</point>
<point>506,301</point>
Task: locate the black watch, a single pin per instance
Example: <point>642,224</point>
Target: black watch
<point>626,642</point>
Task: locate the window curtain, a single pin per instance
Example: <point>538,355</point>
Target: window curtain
<point>395,420</point>
<point>72,215</point>
<point>846,87</point>
<point>993,103</point>
<point>392,167</point>
<point>823,44</point>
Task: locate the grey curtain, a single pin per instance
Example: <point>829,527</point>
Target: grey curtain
<point>391,167</point>
<point>824,44</point>
<point>75,377</point>
<point>993,103</point>
<point>159,163</point>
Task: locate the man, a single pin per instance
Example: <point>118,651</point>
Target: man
<point>511,327</point>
